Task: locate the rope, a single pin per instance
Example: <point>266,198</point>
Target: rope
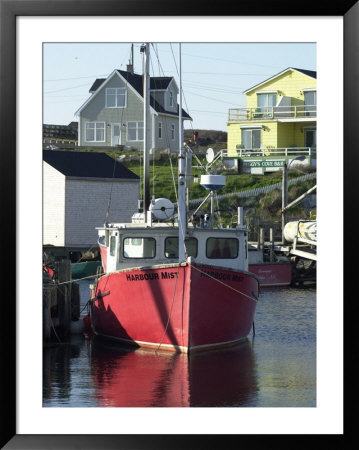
<point>224,284</point>
<point>53,328</point>
<point>160,69</point>
<point>170,313</point>
<point>74,281</point>
<point>259,190</point>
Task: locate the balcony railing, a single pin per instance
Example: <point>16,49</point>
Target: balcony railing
<point>289,151</point>
<point>272,113</point>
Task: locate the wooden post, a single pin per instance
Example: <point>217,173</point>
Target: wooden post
<point>271,247</point>
<point>259,237</point>
<point>64,297</point>
<point>284,198</point>
<point>75,301</point>
<point>49,300</point>
<point>46,318</point>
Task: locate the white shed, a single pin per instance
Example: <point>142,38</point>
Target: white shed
<point>78,190</point>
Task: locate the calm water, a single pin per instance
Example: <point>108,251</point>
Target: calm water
<point>275,368</point>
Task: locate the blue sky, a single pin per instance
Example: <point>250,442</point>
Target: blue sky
<point>214,75</point>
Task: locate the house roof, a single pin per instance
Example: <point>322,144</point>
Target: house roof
<point>309,73</point>
<point>87,165</point>
<point>136,81</point>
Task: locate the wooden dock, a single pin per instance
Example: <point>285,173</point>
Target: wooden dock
<point>61,303</point>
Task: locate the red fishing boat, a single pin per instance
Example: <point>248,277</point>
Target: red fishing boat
<point>170,285</point>
<point>273,274</point>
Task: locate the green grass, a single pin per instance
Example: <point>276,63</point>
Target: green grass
<point>266,206</point>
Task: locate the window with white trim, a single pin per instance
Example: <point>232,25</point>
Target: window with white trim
<point>173,131</point>
<point>139,247</point>
<point>310,102</point>
<point>134,131</point>
<point>222,248</point>
<point>160,130</point>
<point>171,98</point>
<point>266,102</point>
<point>115,97</point>
<point>251,138</point>
<point>95,132</point>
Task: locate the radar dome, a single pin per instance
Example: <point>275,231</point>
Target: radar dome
<point>213,182</point>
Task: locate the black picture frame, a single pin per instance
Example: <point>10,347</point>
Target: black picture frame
<point>9,10</point>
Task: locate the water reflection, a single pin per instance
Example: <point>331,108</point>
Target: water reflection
<point>144,378</point>
<point>275,369</point>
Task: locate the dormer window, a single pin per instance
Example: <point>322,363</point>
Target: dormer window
<point>115,97</point>
<point>171,98</point>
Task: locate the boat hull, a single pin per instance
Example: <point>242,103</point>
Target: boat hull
<point>84,269</point>
<point>273,274</point>
<point>180,307</point>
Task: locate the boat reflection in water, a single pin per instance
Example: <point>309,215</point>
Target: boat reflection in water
<point>145,378</point>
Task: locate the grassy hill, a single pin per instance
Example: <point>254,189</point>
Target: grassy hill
<point>267,206</point>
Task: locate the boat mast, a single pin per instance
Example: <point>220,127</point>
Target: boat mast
<point>182,213</point>
<point>146,130</point>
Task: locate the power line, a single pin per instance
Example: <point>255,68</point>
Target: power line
<point>66,89</point>
<point>76,78</point>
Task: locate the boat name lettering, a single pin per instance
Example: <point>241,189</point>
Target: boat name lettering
<point>151,276</point>
<point>221,276</point>
<point>142,276</point>
<point>166,275</point>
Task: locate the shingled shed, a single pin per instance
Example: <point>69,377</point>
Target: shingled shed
<point>78,187</point>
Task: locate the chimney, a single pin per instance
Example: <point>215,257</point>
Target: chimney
<point>130,68</point>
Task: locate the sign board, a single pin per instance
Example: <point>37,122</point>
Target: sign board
<point>263,163</point>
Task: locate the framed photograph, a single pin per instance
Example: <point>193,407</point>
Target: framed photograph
<point>31,32</point>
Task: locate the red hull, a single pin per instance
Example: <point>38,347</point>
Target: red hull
<point>178,307</point>
<point>276,274</point>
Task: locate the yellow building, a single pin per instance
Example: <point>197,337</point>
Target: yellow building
<point>278,124</point>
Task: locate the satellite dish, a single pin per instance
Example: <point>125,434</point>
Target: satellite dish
<point>210,154</point>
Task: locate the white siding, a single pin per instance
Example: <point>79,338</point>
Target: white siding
<point>53,231</point>
<point>86,206</point>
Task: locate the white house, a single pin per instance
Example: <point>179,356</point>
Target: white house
<point>81,191</point>
<point>113,114</point>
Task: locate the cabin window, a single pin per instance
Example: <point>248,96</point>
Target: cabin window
<point>171,247</point>
<point>139,247</point>
<point>160,130</point>
<point>135,131</point>
<point>115,97</point>
<point>222,248</point>
<point>112,245</point>
<point>95,131</point>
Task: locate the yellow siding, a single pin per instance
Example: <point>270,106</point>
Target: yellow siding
<point>233,138</point>
<point>277,135</point>
<point>289,84</point>
<point>269,135</point>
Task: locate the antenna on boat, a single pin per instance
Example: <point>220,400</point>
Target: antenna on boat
<point>182,213</point>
